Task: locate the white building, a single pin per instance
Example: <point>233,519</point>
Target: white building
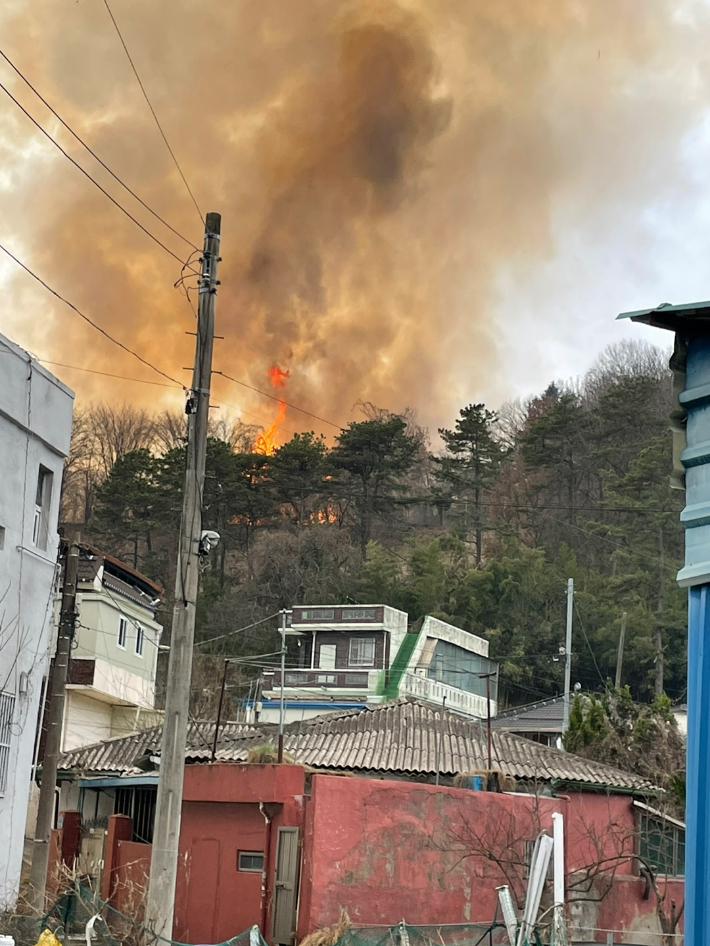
<point>111,689</point>
<point>345,657</point>
<point>35,430</point>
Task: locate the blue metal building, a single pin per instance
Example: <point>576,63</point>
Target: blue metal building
<point>690,423</point>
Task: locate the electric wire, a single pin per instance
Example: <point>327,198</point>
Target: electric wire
<point>152,110</point>
<point>584,634</point>
<point>89,177</point>
<point>238,630</point>
<point>106,374</point>
<point>279,400</point>
<point>94,154</point>
<point>90,321</point>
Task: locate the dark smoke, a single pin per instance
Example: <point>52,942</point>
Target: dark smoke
<point>377,166</point>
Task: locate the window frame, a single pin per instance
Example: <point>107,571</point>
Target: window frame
<point>670,830</point>
<point>352,662</point>
<point>43,502</point>
<point>359,615</point>
<point>318,614</point>
<point>122,636</point>
<point>7,713</point>
<point>250,870</point>
<point>140,640</point>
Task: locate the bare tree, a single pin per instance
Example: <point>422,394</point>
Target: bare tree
<point>503,837</point>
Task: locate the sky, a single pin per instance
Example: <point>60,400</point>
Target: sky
<point>425,203</point>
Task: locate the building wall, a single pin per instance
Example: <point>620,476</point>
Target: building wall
<point>35,427</point>
<point>388,850</point>
<point>220,817</point>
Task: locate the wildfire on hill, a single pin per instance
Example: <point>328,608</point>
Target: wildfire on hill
<point>266,441</point>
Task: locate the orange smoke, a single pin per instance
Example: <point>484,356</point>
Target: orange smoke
<point>266,441</point>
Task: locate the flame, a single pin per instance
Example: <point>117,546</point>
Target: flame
<point>266,441</point>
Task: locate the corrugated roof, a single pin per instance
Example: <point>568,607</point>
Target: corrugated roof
<point>544,716</point>
<point>404,737</point>
<point>119,755</point>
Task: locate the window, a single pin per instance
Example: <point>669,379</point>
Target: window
<point>318,614</point>
<point>662,844</point>
<point>250,861</point>
<point>326,657</point>
<point>122,633</point>
<point>7,707</point>
<point>460,668</point>
<point>359,614</point>
<point>43,499</point>
<point>326,678</point>
<point>2,538</point>
<point>140,638</point>
<point>362,652</point>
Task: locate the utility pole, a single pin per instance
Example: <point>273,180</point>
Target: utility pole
<point>620,652</point>
<point>166,836</point>
<point>280,756</point>
<point>568,653</point>
<point>55,720</point>
<point>659,618</point>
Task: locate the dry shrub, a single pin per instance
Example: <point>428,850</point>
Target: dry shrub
<point>329,935</point>
<point>267,755</point>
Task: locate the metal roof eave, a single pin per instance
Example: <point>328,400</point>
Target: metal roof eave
<point>689,318</point>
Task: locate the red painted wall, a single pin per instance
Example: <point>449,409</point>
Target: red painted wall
<point>387,850</point>
<point>131,871</point>
<point>220,817</point>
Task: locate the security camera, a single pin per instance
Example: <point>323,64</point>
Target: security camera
<point>208,541</point>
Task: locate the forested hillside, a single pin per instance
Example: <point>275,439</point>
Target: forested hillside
<point>481,523</point>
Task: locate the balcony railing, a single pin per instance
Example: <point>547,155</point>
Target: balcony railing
<point>323,679</point>
<point>424,688</point>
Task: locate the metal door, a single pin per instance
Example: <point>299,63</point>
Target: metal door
<point>285,887</point>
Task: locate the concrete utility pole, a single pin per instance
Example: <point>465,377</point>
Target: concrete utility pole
<point>282,714</point>
<point>166,835</point>
<point>55,720</point>
<point>568,653</point>
<point>620,651</point>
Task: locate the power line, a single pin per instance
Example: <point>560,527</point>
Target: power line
<point>152,110</point>
<point>106,374</point>
<point>162,384</point>
<point>87,175</point>
<point>90,321</point>
<point>238,630</point>
<point>279,400</point>
<point>94,155</point>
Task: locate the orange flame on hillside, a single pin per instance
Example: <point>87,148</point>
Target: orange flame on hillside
<point>266,441</point>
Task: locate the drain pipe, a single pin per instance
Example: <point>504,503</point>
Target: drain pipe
<point>265,870</point>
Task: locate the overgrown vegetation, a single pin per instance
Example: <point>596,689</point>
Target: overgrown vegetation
<point>640,738</point>
<point>481,527</point>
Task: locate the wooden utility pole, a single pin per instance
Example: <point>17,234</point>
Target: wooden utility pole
<point>53,744</point>
<point>166,835</point>
<point>620,651</point>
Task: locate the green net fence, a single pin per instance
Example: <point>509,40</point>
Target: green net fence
<point>68,916</point>
<point>404,934</point>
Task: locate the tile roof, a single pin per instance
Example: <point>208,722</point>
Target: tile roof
<point>403,737</point>
<point>544,716</point>
<point>118,756</point>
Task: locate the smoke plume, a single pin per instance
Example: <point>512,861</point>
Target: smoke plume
<point>378,166</point>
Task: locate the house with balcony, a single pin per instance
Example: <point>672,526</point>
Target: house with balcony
<point>111,688</point>
<point>352,656</point>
